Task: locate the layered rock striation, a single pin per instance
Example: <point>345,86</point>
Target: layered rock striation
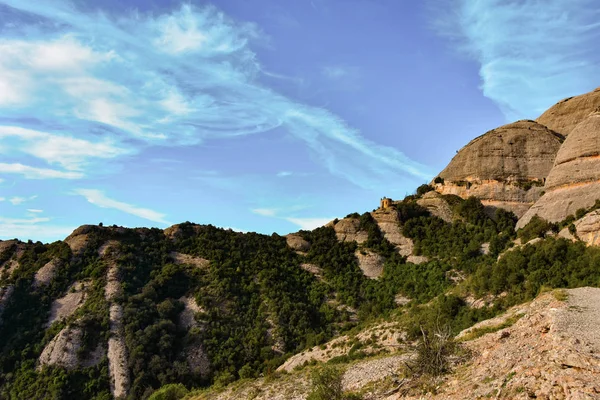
<point>565,115</point>
<point>574,181</point>
<point>505,167</point>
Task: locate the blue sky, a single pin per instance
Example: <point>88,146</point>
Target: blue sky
<point>268,116</point>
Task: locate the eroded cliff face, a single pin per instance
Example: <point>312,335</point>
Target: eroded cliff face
<point>565,115</point>
<point>574,181</point>
<point>505,167</point>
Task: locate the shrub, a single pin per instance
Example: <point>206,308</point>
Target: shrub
<point>327,384</point>
<point>434,351</point>
<point>421,190</point>
<point>438,179</point>
<point>537,227</point>
<point>169,392</point>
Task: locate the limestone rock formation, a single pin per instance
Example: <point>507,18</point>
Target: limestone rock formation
<point>388,222</point>
<point>63,350</point>
<point>297,243</point>
<point>564,116</point>
<point>347,230</point>
<point>187,316</point>
<point>588,228</point>
<point>5,293</point>
<point>574,181</point>
<point>505,167</point>
<point>65,306</point>
<point>370,263</point>
<point>45,274</point>
<point>436,205</point>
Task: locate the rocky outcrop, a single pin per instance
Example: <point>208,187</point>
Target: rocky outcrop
<point>117,351</point>
<point>117,354</point>
<point>10,251</point>
<point>313,269</point>
<point>588,228</point>
<point>45,274</point>
<point>504,167</point>
<point>63,350</point>
<point>77,240</point>
<point>574,181</point>
<point>5,294</point>
<point>370,263</point>
<point>187,318</point>
<point>197,359</point>
<point>181,258</point>
<point>373,339</point>
<point>564,116</point>
<point>388,222</point>
<point>65,306</point>
<point>176,232</point>
<point>435,203</point>
<point>297,243</point>
<point>347,230</point>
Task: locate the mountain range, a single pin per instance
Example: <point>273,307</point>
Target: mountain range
<point>498,253</point>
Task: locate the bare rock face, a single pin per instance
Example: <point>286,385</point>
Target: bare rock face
<point>574,181</point>
<point>175,231</point>
<point>181,258</point>
<point>588,228</point>
<point>197,359</point>
<point>370,263</point>
<point>436,205</point>
<point>297,243</point>
<point>117,354</point>
<point>13,249</point>
<point>313,269</point>
<point>65,306</point>
<point>388,222</point>
<point>45,274</point>
<point>564,116</point>
<point>504,167</point>
<point>5,293</point>
<point>63,350</point>
<point>186,318</point>
<point>347,230</point>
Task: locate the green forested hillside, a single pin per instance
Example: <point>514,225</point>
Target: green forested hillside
<point>256,304</point>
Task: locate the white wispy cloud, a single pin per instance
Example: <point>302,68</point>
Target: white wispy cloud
<point>265,212</point>
<point>531,53</point>
<point>196,78</point>
<point>20,200</point>
<point>69,152</point>
<point>302,222</point>
<point>309,223</point>
<point>99,199</point>
<point>32,228</point>
<point>37,173</point>
<point>35,210</point>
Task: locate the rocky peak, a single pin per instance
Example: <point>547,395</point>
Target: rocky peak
<point>574,181</point>
<point>505,167</point>
<point>565,115</point>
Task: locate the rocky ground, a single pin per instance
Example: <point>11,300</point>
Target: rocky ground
<point>546,349</point>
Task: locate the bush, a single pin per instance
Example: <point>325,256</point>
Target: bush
<point>434,351</point>
<point>169,392</point>
<point>421,190</point>
<point>537,227</point>
<point>327,384</point>
<point>438,179</point>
